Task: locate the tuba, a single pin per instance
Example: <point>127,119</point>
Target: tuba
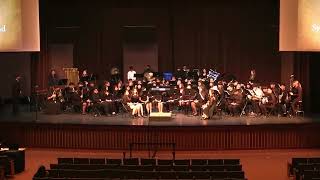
<point>148,76</point>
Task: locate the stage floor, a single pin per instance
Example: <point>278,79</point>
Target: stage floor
<point>178,119</point>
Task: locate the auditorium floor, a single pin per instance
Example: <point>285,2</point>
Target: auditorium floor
<point>178,119</point>
<point>257,164</point>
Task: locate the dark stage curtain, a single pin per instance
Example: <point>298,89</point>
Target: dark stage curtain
<point>229,36</point>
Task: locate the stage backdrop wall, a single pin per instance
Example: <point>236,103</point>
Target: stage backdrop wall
<point>229,36</point>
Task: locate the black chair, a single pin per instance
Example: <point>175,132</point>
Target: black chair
<point>147,168</point>
<point>164,168</point>
<point>215,161</point>
<point>231,161</point>
<point>184,175</point>
<point>114,161</point>
<point>53,173</point>
<point>199,161</point>
<point>200,175</point>
<point>167,175</point>
<point>181,168</point>
<point>182,162</point>
<point>198,168</point>
<point>165,162</point>
<point>149,175</point>
<point>97,161</point>
<point>215,168</point>
<point>65,160</point>
<point>133,175</point>
<point>314,160</point>
<point>233,167</point>
<point>148,161</point>
<point>131,161</point>
<point>81,161</point>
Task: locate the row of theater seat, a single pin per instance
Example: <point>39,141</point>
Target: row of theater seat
<point>142,161</point>
<point>237,167</point>
<point>135,168</point>
<point>304,168</point>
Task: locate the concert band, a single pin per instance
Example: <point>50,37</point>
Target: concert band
<point>198,93</point>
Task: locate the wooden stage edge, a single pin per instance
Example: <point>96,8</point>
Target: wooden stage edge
<point>235,137</point>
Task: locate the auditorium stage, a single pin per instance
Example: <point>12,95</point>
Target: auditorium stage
<point>182,132</point>
<point>177,119</point>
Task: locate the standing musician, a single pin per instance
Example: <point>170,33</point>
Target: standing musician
<point>53,79</point>
<point>200,99</point>
<point>85,77</point>
<point>296,95</point>
<point>131,74</point>
<point>210,106</point>
<point>252,76</point>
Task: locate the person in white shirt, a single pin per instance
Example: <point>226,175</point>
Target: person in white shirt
<point>131,74</point>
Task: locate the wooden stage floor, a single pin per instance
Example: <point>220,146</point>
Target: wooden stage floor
<point>178,119</point>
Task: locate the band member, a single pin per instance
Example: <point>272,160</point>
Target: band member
<point>106,87</point>
<point>204,74</point>
<point>269,103</point>
<point>85,77</point>
<point>296,95</point>
<point>283,100</point>
<point>108,103</point>
<point>146,98</point>
<point>256,99</point>
<point>85,94</point>
<point>16,94</point>
<point>252,77</point>
<point>236,101</point>
<point>210,106</point>
<point>53,79</point>
<point>201,98</point>
<point>134,103</point>
<point>55,100</point>
<point>95,101</point>
<point>131,74</point>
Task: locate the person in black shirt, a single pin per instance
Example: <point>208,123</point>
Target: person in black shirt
<point>53,79</point>
<point>16,94</point>
<point>108,103</point>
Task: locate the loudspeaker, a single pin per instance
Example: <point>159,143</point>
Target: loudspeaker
<point>164,116</point>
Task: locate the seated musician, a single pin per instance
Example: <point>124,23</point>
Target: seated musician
<point>55,100</point>
<point>146,98</point>
<point>236,101</point>
<point>296,95</point>
<point>84,95</point>
<point>200,99</point>
<point>210,106</point>
<point>134,103</point>
<point>256,99</point>
<point>283,100</point>
<point>95,101</point>
<point>162,101</point>
<point>269,102</point>
<point>108,103</point>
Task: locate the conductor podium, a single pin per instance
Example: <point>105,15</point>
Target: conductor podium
<point>160,116</point>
